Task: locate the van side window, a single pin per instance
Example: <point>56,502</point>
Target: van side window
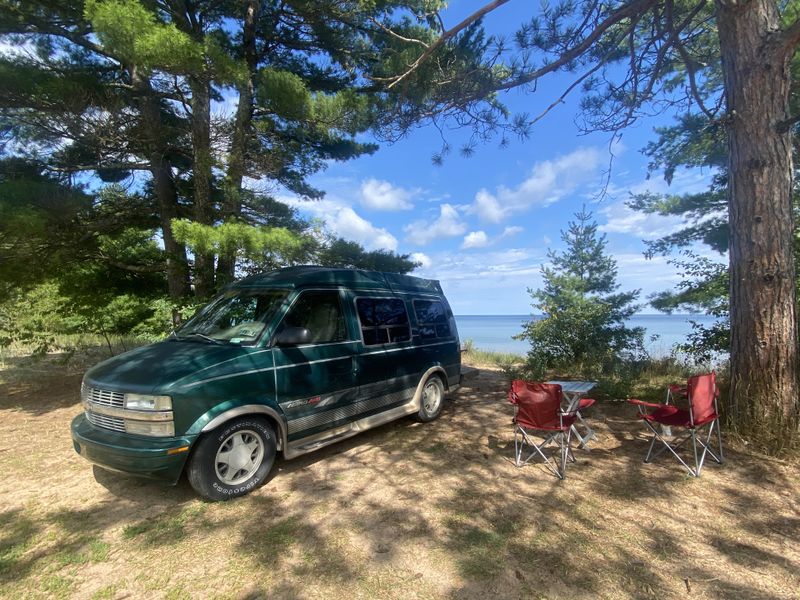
<point>383,320</point>
<point>321,313</point>
<point>432,319</point>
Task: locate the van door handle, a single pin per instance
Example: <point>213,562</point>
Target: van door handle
<point>355,364</point>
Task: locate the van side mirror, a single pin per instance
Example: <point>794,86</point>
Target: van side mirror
<point>293,336</point>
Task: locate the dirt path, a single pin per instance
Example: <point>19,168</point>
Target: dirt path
<point>408,510</point>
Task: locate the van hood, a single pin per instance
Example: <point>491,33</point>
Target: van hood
<point>160,367</point>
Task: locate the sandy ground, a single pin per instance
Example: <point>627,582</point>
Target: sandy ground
<point>409,510</point>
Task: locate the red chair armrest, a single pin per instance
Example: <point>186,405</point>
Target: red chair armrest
<point>643,403</point>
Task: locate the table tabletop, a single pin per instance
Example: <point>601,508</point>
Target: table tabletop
<point>574,387</point>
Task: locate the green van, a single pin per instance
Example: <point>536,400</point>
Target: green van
<point>289,361</point>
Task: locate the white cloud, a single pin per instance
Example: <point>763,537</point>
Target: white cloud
<point>488,208</point>
<point>423,259</point>
<point>490,282</point>
<point>351,226</point>
<point>622,219</point>
<point>449,224</point>
<point>475,239</point>
<point>382,195</point>
<point>496,282</point>
<point>650,275</point>
<point>343,221</point>
<point>513,230</point>
<point>549,181</point>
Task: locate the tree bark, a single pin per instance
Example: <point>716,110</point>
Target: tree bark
<point>163,184</point>
<point>764,377</point>
<point>201,171</point>
<point>232,209</point>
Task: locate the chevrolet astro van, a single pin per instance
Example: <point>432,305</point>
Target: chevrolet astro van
<point>289,361</point>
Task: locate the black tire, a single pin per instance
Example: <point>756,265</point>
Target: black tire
<point>215,478</point>
<point>431,400</point>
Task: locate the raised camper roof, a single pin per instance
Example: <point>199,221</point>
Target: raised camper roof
<point>295,277</point>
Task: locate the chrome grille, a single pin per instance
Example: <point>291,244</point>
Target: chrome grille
<point>103,397</point>
<point>106,422</point>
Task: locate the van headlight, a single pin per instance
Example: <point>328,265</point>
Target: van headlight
<point>147,402</point>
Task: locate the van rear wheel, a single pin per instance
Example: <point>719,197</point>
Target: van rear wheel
<point>233,460</point>
<point>432,399</point>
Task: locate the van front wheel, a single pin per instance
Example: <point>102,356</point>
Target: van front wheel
<point>432,399</point>
<point>232,460</point>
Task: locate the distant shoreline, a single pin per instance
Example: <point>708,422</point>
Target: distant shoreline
<point>497,333</point>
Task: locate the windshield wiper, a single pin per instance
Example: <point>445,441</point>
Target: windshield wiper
<point>208,338</point>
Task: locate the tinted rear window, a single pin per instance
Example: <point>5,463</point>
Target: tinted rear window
<point>383,320</point>
<point>432,319</point>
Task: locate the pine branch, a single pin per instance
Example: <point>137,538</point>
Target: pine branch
<point>450,33</point>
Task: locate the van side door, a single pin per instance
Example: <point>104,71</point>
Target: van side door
<point>316,382</point>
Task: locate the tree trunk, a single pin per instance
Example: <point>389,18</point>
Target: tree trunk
<point>764,384</point>
<point>201,170</point>
<point>163,184</point>
<point>232,209</point>
<point>167,195</point>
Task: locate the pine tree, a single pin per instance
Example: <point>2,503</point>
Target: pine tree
<point>583,329</point>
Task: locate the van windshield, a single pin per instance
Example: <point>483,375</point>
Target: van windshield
<point>234,317</point>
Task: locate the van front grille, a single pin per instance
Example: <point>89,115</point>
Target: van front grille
<point>103,397</point>
<point>106,422</point>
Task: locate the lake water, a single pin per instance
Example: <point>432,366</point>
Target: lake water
<point>493,332</point>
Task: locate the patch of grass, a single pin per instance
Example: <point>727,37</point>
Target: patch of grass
<point>480,551</point>
<point>164,529</point>
<point>106,592</point>
<point>56,585</point>
<point>98,550</point>
<point>80,552</point>
<point>283,533</point>
<point>177,593</point>
<point>18,534</point>
<point>70,557</point>
<point>504,360</point>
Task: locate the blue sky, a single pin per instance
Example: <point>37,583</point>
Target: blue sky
<point>482,225</point>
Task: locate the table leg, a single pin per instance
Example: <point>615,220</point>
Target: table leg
<point>590,435</point>
<point>573,400</point>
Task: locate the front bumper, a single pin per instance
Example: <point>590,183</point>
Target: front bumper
<point>138,456</point>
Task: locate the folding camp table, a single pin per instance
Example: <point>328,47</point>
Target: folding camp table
<point>573,392</point>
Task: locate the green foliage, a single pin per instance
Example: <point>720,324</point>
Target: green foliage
<point>38,218</point>
<point>582,331</point>
<point>252,242</point>
<point>136,35</point>
<point>33,319</point>
<point>338,252</point>
<point>284,93</point>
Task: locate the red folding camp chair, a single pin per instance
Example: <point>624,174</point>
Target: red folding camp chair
<point>701,393</point>
<point>538,411</point>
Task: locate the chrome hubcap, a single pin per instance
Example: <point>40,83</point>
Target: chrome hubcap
<point>239,457</point>
<point>431,397</point>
